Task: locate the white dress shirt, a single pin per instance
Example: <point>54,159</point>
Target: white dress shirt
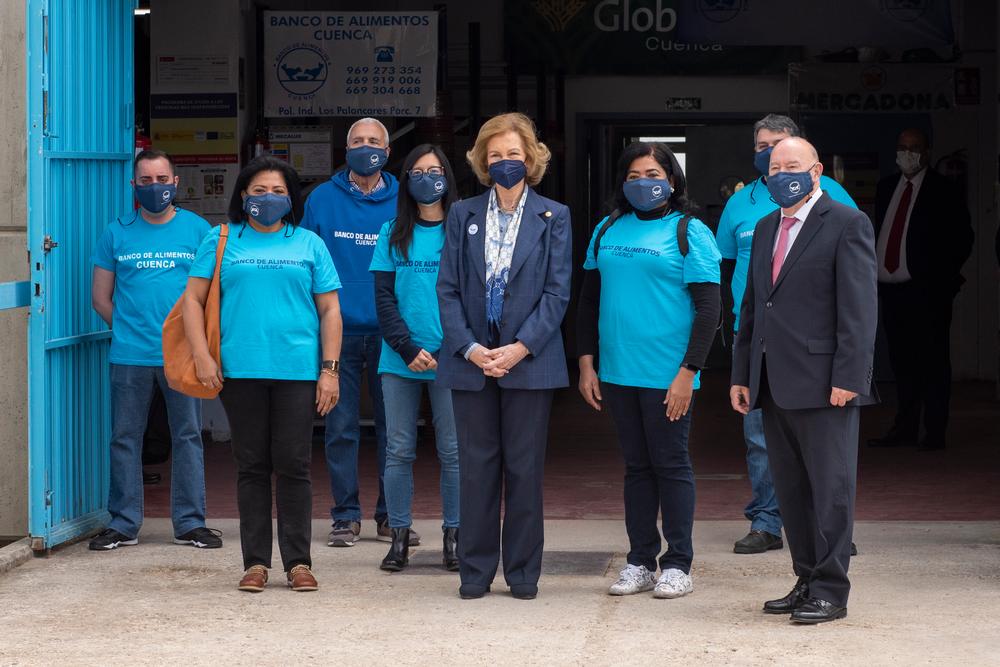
<point>800,219</point>
<point>902,273</point>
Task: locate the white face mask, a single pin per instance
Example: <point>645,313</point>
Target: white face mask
<point>908,162</point>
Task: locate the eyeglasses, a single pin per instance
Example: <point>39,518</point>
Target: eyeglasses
<point>430,171</point>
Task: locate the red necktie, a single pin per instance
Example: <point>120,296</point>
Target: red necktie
<point>894,247</point>
<point>782,249</point>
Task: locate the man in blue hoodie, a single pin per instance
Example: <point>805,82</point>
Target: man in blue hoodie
<point>743,211</point>
<point>347,212</point>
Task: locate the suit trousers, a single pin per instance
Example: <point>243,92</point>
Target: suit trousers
<point>502,435</point>
<point>814,464</point>
<point>918,330</point>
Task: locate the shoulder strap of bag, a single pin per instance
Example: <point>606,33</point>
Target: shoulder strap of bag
<point>220,249</point>
<point>615,214</point>
<point>682,235</point>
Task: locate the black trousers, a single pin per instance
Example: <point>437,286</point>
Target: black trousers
<point>502,434</point>
<point>658,476</point>
<point>271,424</point>
<point>813,456</point>
<point>918,330</point>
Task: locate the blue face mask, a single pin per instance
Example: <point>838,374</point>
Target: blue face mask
<point>508,173</point>
<point>267,209</point>
<point>366,160</point>
<point>155,197</point>
<point>427,188</point>
<point>647,194</point>
<point>788,188</point>
<point>762,160</point>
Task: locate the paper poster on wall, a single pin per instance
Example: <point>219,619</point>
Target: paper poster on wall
<point>205,189</point>
<point>350,63</point>
<point>196,124</point>
<point>196,70</point>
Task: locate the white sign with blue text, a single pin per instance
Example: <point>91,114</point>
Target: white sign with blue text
<point>350,63</point>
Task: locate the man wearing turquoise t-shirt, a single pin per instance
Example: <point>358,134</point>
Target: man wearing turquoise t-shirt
<point>745,208</point>
<point>140,269</point>
<point>347,212</point>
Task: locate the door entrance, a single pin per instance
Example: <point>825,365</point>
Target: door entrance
<point>80,142</point>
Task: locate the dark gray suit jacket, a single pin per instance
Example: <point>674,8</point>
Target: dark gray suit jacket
<point>534,305</point>
<point>818,321</point>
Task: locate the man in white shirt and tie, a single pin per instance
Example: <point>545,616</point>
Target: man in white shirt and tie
<point>923,237</point>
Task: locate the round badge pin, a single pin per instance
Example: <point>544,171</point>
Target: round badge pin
<point>473,229</point>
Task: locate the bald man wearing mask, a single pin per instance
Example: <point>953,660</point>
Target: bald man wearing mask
<point>804,356</point>
<point>924,237</point>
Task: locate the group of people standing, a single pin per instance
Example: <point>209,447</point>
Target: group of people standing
<point>400,279</point>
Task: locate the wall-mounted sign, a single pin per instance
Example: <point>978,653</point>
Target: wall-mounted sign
<point>883,88</point>
<point>683,104</point>
<point>622,37</point>
<point>350,63</point>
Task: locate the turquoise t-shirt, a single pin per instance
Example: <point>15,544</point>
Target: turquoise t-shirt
<point>269,322</point>
<point>739,219</point>
<point>150,263</point>
<point>416,293</point>
<point>646,308</point>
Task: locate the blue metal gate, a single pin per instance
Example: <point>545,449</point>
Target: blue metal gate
<point>80,139</point>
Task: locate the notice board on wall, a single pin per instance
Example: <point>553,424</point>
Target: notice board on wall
<point>350,64</point>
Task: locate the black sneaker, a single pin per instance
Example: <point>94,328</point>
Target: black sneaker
<point>203,538</point>
<point>111,539</point>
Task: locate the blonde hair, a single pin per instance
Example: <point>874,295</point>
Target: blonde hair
<point>536,154</point>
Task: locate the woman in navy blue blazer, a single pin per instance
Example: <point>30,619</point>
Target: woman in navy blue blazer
<point>503,288</point>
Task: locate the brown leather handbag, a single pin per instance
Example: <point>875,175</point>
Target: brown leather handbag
<point>178,359</point>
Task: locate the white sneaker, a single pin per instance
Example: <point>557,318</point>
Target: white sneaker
<point>633,579</point>
<point>673,584</point>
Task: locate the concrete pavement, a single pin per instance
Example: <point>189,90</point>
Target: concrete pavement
<point>924,593</point>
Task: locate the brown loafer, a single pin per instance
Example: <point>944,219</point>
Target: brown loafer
<point>301,579</point>
<point>254,579</point>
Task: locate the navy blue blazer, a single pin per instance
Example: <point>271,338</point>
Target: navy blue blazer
<point>534,305</point>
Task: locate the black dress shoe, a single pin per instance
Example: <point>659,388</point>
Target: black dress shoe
<point>854,549</point>
<point>790,602</point>
<point>472,591</point>
<point>151,478</point>
<point>931,445</point>
<point>524,591</point>
<point>814,611</point>
<point>399,552</point>
<point>757,542</point>
<point>450,552</point>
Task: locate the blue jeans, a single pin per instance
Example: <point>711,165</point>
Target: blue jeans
<point>131,396</point>
<point>402,405</point>
<point>343,430</point>
<point>762,512</point>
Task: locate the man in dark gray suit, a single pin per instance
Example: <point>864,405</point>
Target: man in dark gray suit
<point>804,355</point>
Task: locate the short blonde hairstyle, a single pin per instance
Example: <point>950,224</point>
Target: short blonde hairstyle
<point>536,154</point>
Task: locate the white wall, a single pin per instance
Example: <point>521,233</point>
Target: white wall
<point>13,266</point>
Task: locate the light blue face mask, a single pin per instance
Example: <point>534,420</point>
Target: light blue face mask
<point>267,209</point>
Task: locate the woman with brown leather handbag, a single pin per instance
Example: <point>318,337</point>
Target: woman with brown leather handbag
<point>279,310</point>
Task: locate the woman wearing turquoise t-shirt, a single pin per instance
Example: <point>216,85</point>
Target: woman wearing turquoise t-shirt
<point>650,306</point>
<point>405,265</point>
<point>279,310</point>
